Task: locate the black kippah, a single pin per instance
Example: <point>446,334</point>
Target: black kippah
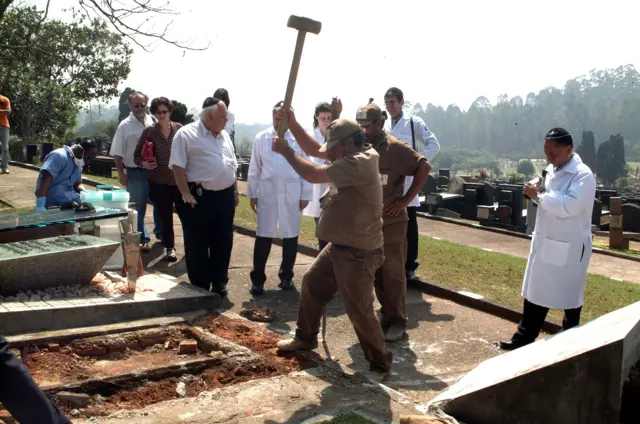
<point>210,101</point>
<point>556,133</point>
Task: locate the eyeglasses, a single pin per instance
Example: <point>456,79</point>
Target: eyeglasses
<point>162,112</point>
<point>138,105</point>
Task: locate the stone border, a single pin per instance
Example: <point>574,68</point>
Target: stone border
<point>471,300</point>
<point>518,235</point>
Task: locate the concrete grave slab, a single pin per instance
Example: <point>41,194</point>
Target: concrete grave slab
<point>162,297</point>
<point>573,377</point>
<point>63,260</point>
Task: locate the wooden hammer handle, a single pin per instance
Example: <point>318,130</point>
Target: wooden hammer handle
<point>291,85</point>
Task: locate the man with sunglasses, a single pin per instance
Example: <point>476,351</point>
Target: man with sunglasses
<point>130,174</point>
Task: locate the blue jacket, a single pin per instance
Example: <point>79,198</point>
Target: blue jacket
<point>66,174</point>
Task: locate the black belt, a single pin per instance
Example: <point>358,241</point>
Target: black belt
<point>197,189</point>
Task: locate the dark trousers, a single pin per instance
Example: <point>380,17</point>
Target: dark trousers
<point>321,243</point>
<point>208,237</point>
<point>261,250</point>
<point>21,396</point>
<point>533,317</point>
<point>164,196</point>
<point>412,240</point>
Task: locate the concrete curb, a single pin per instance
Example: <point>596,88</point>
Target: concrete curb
<point>518,235</point>
<point>471,300</point>
<point>87,181</point>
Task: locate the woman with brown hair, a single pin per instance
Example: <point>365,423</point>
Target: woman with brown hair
<point>153,153</point>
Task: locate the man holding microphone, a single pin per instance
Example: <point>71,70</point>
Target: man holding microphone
<point>561,245</point>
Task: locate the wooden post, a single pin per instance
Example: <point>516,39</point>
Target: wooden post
<point>616,236</point>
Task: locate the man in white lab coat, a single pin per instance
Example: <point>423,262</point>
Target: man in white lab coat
<point>278,195</point>
<point>561,245</point>
<point>411,130</point>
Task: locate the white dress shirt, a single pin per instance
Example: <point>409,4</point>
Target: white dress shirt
<point>425,142</point>
<point>126,138</point>
<point>206,159</point>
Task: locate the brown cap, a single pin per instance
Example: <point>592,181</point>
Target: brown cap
<point>368,113</point>
<point>339,130</point>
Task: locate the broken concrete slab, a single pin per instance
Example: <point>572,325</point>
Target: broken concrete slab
<point>573,377</point>
<point>291,398</point>
<point>162,298</point>
<point>63,260</point>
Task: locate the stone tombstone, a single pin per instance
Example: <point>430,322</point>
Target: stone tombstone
<point>456,186</point>
<point>442,181</point>
<point>597,212</point>
<point>488,197</point>
<point>431,186</point>
<point>444,173</point>
<point>62,260</point>
<point>575,377</point>
<point>631,218</point>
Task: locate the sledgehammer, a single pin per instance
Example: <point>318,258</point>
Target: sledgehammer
<point>303,25</point>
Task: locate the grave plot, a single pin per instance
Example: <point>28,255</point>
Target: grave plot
<point>95,376</point>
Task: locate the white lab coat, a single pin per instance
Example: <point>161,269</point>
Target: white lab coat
<point>561,245</point>
<point>277,187</point>
<point>426,142</point>
<point>313,209</point>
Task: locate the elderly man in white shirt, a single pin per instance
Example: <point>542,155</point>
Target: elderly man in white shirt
<point>204,164</point>
<point>278,196</point>
<point>132,176</point>
<point>411,130</point>
<point>556,271</point>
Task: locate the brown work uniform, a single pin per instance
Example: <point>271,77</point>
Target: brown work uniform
<point>351,223</point>
<point>397,160</point>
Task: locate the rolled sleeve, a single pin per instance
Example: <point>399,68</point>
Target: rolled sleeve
<point>178,151</point>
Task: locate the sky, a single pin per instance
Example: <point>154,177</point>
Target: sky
<point>441,52</point>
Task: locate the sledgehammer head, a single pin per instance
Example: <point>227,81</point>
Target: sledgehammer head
<point>304,24</point>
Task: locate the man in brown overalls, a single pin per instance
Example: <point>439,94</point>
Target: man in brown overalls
<point>351,223</point>
<point>397,160</point>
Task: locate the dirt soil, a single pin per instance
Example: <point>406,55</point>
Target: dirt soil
<point>124,353</point>
<point>97,357</point>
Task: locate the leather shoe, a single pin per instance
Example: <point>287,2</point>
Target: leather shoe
<point>510,344</point>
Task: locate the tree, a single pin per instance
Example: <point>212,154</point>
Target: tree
<point>180,114</point>
<point>587,150</point>
<point>132,19</point>
<point>123,103</point>
<point>611,161</point>
<point>62,64</point>
<point>526,168</point>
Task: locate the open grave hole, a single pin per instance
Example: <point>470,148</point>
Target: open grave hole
<point>130,370</point>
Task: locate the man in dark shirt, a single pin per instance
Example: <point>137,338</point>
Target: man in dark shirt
<point>397,160</point>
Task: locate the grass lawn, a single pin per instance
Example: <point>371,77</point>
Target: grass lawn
<point>605,246</point>
<point>493,275</point>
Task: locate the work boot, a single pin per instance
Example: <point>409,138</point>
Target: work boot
<point>257,290</point>
<point>394,333</point>
<point>286,285</point>
<point>376,376</point>
<point>291,345</point>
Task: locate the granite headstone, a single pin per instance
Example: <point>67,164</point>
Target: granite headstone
<point>597,212</point>
<point>456,185</point>
<point>42,263</point>
<point>574,377</point>
<point>631,218</point>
